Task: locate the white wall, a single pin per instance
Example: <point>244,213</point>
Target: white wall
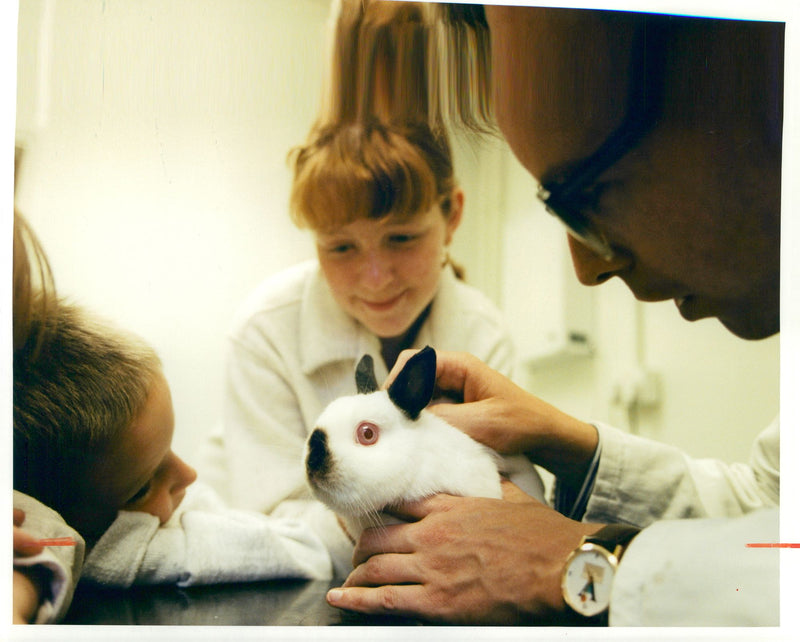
<point>156,133</point>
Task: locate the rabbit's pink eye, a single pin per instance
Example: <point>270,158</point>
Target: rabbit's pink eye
<point>366,433</point>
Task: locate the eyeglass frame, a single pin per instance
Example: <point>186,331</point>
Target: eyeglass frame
<point>561,195</point>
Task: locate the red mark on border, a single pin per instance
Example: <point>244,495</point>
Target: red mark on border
<point>55,541</point>
<point>772,545</point>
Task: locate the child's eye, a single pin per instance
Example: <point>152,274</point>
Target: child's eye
<point>140,494</point>
<point>401,239</point>
<point>341,248</point>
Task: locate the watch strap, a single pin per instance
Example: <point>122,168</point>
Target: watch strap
<point>613,536</point>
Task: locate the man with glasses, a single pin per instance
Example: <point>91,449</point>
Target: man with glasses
<point>657,141</point>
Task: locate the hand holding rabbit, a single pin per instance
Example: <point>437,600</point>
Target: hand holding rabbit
<point>500,414</point>
<point>379,448</point>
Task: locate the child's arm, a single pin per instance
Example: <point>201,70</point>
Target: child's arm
<point>205,543</point>
<point>27,591</point>
<point>44,577</point>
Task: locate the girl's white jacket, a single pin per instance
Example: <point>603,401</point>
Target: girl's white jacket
<point>292,351</point>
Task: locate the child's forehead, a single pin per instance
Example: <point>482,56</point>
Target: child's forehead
<point>153,427</point>
<point>142,446</point>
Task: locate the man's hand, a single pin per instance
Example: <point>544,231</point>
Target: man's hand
<point>466,560</point>
<point>500,414</point>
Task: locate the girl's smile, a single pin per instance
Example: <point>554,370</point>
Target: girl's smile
<point>385,272</point>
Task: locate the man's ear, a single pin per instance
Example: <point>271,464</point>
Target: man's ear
<point>413,387</point>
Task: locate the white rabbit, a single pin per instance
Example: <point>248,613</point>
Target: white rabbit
<point>378,448</point>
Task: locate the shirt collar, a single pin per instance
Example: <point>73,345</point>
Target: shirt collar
<point>327,333</point>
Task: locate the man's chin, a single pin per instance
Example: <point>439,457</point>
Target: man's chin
<point>752,329</point>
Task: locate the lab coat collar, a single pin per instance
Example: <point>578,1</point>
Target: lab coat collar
<point>445,313</point>
<point>327,333</point>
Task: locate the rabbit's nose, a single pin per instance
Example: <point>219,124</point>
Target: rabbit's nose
<point>317,461</point>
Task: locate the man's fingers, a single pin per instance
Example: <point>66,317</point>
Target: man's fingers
<point>470,418</point>
<point>406,600</point>
<point>377,540</point>
<point>452,369</point>
<point>401,361</point>
<point>416,510</point>
<point>513,493</point>
<point>386,568</point>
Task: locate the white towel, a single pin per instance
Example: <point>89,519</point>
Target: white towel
<point>205,543</point>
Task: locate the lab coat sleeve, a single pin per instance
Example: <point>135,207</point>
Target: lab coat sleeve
<point>61,566</point>
<point>499,353</point>
<point>640,481</point>
<point>264,428</point>
<point>700,572</point>
<point>205,543</point>
<point>265,437</point>
<point>464,319</point>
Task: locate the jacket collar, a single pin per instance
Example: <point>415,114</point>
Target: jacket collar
<point>328,334</point>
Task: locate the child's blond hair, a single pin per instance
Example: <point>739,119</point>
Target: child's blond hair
<point>75,392</point>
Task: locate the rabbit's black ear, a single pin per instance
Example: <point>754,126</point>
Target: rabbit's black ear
<point>412,390</point>
<point>365,375</point>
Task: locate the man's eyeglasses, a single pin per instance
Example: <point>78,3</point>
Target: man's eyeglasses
<point>564,195</point>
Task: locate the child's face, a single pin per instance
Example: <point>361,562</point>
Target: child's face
<point>141,473</point>
<point>385,272</point>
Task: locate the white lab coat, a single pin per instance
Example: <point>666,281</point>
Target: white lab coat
<point>292,351</point>
<point>691,565</point>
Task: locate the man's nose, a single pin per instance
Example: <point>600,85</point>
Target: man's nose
<point>593,269</point>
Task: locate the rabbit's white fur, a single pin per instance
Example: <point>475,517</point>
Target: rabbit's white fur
<point>410,460</point>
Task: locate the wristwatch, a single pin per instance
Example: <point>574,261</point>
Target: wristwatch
<point>590,569</point>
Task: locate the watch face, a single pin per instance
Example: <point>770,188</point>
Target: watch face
<point>588,578</point>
